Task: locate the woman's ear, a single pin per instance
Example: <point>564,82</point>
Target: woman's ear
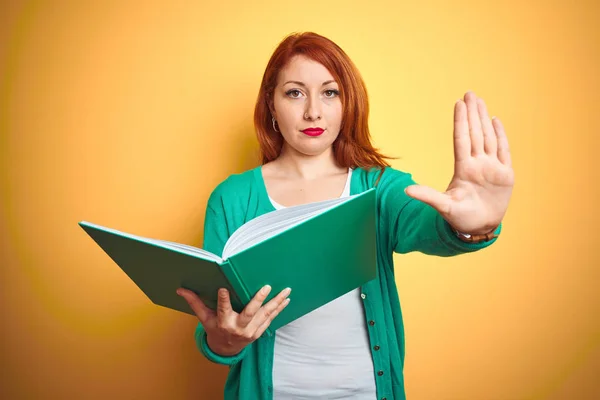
<point>271,105</point>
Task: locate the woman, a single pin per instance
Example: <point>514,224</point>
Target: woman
<point>311,120</point>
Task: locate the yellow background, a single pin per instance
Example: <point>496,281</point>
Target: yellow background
<point>128,116</point>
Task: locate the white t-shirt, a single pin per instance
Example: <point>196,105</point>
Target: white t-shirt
<point>326,353</point>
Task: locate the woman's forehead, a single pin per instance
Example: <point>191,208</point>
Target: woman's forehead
<point>303,69</point>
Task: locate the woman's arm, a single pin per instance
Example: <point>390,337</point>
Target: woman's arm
<point>475,202</point>
<point>411,225</point>
<point>215,237</point>
<point>223,335</point>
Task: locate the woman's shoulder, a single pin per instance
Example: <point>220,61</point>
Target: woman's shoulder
<point>375,177</point>
<point>237,185</point>
<point>236,182</point>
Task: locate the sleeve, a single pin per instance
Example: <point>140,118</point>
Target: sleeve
<point>411,225</point>
<point>202,344</point>
<point>216,233</point>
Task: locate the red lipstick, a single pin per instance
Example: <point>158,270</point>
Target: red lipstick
<point>313,131</point>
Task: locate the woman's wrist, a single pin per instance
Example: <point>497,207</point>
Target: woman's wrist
<point>480,235</point>
<point>221,349</point>
<point>476,235</point>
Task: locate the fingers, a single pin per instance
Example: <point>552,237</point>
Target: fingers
<point>475,131</point>
<point>270,310</point>
<point>462,141</point>
<point>223,304</point>
<point>489,136</point>
<point>253,306</point>
<point>200,309</point>
<point>503,150</point>
<point>263,326</point>
<point>267,311</point>
<point>428,195</point>
<point>250,323</point>
<point>263,316</point>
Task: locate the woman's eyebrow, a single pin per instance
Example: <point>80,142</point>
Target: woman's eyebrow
<point>303,84</point>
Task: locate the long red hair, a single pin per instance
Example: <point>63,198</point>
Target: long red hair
<point>353,147</point>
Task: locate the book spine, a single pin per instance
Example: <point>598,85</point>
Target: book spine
<point>239,288</point>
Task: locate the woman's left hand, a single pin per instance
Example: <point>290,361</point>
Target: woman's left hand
<point>479,192</point>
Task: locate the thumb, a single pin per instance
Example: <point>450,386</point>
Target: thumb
<point>428,195</point>
<point>200,309</point>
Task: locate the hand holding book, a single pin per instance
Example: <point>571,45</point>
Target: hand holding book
<point>323,250</point>
<point>228,332</point>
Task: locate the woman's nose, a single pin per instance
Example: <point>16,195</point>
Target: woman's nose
<point>313,110</point>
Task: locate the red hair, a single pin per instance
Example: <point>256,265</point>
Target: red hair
<point>353,147</point>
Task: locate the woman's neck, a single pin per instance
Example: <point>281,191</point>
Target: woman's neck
<point>297,165</point>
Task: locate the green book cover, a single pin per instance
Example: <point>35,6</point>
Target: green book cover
<point>320,250</point>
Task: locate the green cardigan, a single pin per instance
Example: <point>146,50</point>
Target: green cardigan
<point>403,225</point>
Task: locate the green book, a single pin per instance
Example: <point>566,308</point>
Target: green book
<point>320,250</point>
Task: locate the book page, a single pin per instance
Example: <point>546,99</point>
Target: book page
<point>273,223</point>
<point>272,219</point>
<point>203,253</point>
<point>162,243</point>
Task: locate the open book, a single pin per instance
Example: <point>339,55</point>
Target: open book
<point>320,250</point>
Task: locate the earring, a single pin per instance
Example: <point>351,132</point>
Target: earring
<point>274,128</point>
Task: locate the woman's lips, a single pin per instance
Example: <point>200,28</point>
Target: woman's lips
<point>313,131</point>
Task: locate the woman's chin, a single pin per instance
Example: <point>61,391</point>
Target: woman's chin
<point>313,146</point>
<point>312,149</point>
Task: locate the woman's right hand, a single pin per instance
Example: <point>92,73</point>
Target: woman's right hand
<point>229,332</point>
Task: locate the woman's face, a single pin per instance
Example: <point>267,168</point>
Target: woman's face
<point>307,96</point>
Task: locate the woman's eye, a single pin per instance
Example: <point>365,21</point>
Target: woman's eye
<point>293,93</point>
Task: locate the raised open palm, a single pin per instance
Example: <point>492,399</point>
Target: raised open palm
<point>478,194</point>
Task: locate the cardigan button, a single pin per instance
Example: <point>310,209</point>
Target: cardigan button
<point>363,296</point>
<point>376,348</point>
<point>380,373</point>
<point>371,322</point>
